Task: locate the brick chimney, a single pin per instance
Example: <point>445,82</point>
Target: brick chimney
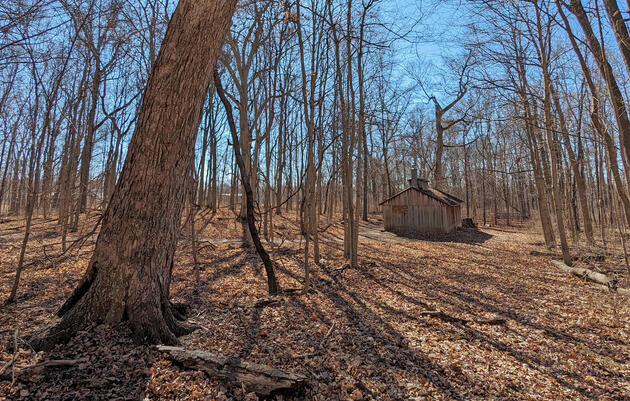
<point>413,181</point>
<point>418,183</point>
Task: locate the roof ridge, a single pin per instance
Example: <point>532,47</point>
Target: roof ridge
<point>449,201</point>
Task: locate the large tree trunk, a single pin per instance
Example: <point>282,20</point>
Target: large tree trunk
<point>614,91</point>
<point>596,108</point>
<point>621,31</point>
<point>129,275</point>
<point>535,156</point>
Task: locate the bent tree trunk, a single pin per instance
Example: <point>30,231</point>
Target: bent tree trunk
<point>272,283</point>
<point>129,274</point>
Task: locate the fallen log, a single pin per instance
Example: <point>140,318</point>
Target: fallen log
<point>619,290</point>
<point>261,379</point>
<point>587,274</point>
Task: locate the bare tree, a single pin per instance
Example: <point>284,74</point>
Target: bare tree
<point>130,270</point>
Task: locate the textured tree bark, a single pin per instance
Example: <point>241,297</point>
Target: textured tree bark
<point>347,128</point>
<point>14,203</point>
<point>353,223</point>
<point>557,198</point>
<point>129,275</point>
<point>47,177</point>
<point>309,214</point>
<point>213,184</point>
<point>281,157</point>
<point>535,156</point>
<point>596,118</point>
<point>614,91</point>
<point>588,274</point>
<point>621,31</point>
<point>199,195</point>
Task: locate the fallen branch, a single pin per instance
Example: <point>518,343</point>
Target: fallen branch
<point>261,379</point>
<point>9,364</point>
<point>451,319</point>
<point>622,291</point>
<point>39,368</point>
<point>587,274</point>
<point>323,230</point>
<point>319,347</point>
<point>267,302</point>
<point>321,344</point>
<point>346,265</point>
<point>538,253</point>
<point>592,258</point>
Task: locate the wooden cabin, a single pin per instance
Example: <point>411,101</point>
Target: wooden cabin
<point>420,208</point>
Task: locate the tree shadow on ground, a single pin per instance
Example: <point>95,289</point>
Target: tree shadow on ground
<point>460,235</point>
<point>457,296</point>
<point>369,337</point>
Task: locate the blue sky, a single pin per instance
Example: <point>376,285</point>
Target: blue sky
<point>437,35</point>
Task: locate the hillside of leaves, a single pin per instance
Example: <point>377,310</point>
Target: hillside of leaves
<point>512,326</point>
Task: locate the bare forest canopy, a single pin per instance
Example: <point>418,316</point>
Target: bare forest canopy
<point>131,131</point>
<point>519,101</point>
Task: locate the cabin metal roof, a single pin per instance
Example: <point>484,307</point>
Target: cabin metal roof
<point>433,193</point>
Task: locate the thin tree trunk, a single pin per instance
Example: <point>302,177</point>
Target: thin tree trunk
<point>249,198</point>
<point>543,57</point>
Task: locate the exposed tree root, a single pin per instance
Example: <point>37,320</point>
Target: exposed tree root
<point>161,327</point>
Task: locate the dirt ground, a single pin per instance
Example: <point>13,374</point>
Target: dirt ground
<point>512,326</point>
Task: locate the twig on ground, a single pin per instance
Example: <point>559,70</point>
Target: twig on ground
<point>321,344</point>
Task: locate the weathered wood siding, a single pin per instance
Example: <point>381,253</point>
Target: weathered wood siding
<point>453,217</point>
<point>413,210</point>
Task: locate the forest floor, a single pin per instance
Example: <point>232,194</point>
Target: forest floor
<point>512,327</point>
